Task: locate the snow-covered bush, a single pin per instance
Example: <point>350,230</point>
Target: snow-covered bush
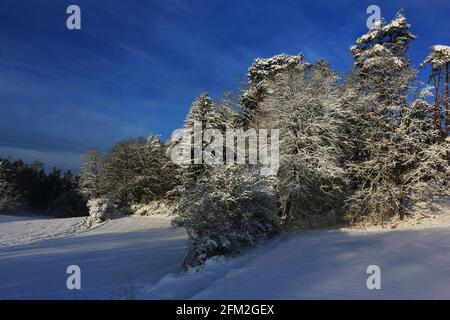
<point>228,208</point>
<point>156,207</point>
<point>100,209</point>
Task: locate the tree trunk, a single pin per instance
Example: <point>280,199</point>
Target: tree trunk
<point>446,104</point>
<point>437,115</point>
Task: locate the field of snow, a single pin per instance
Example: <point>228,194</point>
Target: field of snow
<point>17,230</point>
<point>116,258</point>
<point>139,257</point>
<point>414,260</point>
<point>324,265</point>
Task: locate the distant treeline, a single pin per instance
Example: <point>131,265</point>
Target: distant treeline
<point>27,188</point>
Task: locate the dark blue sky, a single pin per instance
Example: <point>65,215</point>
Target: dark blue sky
<point>135,66</point>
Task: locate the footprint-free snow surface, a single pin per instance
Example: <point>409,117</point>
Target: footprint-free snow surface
<point>116,258</point>
<point>140,257</point>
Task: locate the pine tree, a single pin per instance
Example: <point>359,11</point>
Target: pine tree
<point>390,137</point>
<point>381,65</point>
<point>28,187</point>
<point>260,73</point>
<point>439,60</point>
<point>9,195</point>
<point>380,81</point>
<point>204,114</point>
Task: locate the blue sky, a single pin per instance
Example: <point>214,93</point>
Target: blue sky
<point>135,66</point>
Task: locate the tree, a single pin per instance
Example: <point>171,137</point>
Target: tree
<point>426,162</point>
<point>90,171</point>
<point>68,201</point>
<point>29,188</point>
<point>259,73</point>
<point>392,139</point>
<point>304,103</point>
<point>203,115</point>
<point>9,195</point>
<point>439,60</point>
<point>137,171</point>
<point>224,208</point>
<point>381,64</point>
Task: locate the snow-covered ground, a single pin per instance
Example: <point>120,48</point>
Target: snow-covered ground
<point>116,258</point>
<point>140,257</point>
<point>17,230</point>
<point>324,265</point>
<point>414,259</point>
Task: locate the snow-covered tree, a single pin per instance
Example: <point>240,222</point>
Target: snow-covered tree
<point>204,114</point>
<point>90,171</point>
<point>392,139</point>
<point>203,110</point>
<point>262,71</point>
<point>9,195</point>
<point>304,104</point>
<point>381,64</point>
<point>137,171</point>
<point>224,208</point>
<point>28,187</point>
<point>229,109</point>
<point>377,96</point>
<point>394,36</point>
<point>426,162</point>
<point>439,60</point>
